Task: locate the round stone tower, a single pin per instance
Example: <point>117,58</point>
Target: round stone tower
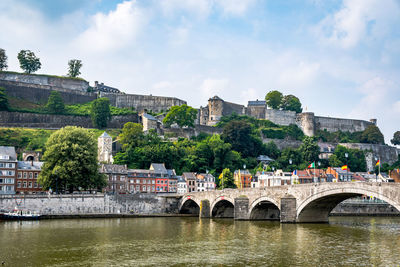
<point>215,110</point>
<point>307,123</point>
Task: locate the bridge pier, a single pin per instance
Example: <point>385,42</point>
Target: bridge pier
<point>288,209</point>
<point>205,209</point>
<point>241,211</point>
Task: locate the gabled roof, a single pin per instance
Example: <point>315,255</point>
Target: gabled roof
<point>189,175</point>
<point>8,151</point>
<point>105,134</point>
<point>149,117</point>
<point>158,168</point>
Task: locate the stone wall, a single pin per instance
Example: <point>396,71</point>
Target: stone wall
<point>387,154</point>
<point>337,124</point>
<point>92,204</point>
<point>283,143</point>
<point>281,117</point>
<point>48,121</point>
<point>143,102</point>
<point>363,209</point>
<point>256,111</point>
<point>190,132</point>
<point>40,93</point>
<point>44,80</point>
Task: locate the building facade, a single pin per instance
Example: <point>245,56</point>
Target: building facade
<point>117,178</point>
<point>242,178</point>
<point>8,169</point>
<point>27,178</point>
<point>190,178</point>
<point>205,182</point>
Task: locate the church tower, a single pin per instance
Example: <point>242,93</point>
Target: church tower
<point>104,144</point>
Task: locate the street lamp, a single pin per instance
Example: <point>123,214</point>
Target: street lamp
<point>346,155</point>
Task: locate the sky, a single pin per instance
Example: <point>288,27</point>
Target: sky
<point>341,58</point>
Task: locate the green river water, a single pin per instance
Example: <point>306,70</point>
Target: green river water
<point>187,241</point>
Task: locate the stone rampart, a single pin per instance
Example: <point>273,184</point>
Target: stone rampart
<point>91,204</point>
<point>48,121</point>
<point>144,102</point>
<point>37,93</point>
<point>337,124</point>
<point>281,117</point>
<point>387,154</point>
<point>56,82</point>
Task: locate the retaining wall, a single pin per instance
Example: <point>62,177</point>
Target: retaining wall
<point>48,121</point>
<point>92,204</point>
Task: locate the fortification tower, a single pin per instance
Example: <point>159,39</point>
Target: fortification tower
<point>104,143</point>
<point>306,122</point>
<point>215,110</point>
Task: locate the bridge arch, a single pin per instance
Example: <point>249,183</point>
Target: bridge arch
<point>317,207</point>
<point>189,205</point>
<point>222,207</point>
<point>264,208</point>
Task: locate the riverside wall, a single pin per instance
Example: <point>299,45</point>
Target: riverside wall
<point>87,204</point>
<point>49,121</point>
<point>363,209</point>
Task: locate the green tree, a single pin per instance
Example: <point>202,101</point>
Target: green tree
<point>396,138</point>
<point>3,100</point>
<point>355,158</point>
<point>334,161</point>
<point>74,67</point>
<point>291,102</point>
<point>71,161</point>
<point>309,149</point>
<point>3,59</point>
<point>274,99</point>
<point>183,115</point>
<point>131,135</point>
<point>55,103</point>
<point>28,61</point>
<point>372,135</point>
<point>226,179</point>
<point>240,135</point>
<point>272,150</point>
<point>100,112</point>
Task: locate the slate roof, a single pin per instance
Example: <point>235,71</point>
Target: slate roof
<point>114,168</point>
<point>181,179</point>
<point>149,117</point>
<point>256,103</point>
<point>158,168</point>
<point>30,165</point>
<point>8,151</point>
<point>105,134</point>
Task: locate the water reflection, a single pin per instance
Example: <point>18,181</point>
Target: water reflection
<point>189,241</point>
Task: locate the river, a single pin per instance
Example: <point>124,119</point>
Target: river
<point>188,241</point>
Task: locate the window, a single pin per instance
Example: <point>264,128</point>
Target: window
<point>36,175</point>
<point>122,178</point>
<point>152,188</point>
<point>25,175</point>
<point>19,185</point>
<point>153,182</point>
<point>30,175</point>
<point>30,184</point>
<point>19,174</point>
<point>9,181</point>
<point>138,188</point>
<point>24,184</point>
<point>35,185</point>
<point>9,188</point>
<point>137,181</point>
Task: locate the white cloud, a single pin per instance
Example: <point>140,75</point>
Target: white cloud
<point>199,8</point>
<point>211,87</point>
<point>114,30</point>
<point>359,20</point>
<point>235,7</point>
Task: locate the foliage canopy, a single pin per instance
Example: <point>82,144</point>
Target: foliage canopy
<point>3,59</point>
<point>28,61</point>
<point>74,67</point>
<point>100,112</point>
<point>55,103</point>
<point>183,115</point>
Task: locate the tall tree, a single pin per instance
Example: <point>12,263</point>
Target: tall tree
<point>28,61</point>
<point>291,102</point>
<point>71,161</point>
<point>100,112</point>
<point>55,103</point>
<point>274,99</point>
<point>396,138</point>
<point>74,67</point>
<point>372,135</point>
<point>132,135</point>
<point>3,99</point>
<point>183,115</point>
<point>309,149</point>
<point>3,59</point>
<point>226,179</point>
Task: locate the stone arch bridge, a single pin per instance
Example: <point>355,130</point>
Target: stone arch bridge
<point>289,204</point>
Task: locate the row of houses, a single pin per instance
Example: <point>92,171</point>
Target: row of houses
<point>157,179</point>
<point>244,179</point>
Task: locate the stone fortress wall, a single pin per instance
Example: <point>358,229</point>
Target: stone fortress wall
<point>307,121</point>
